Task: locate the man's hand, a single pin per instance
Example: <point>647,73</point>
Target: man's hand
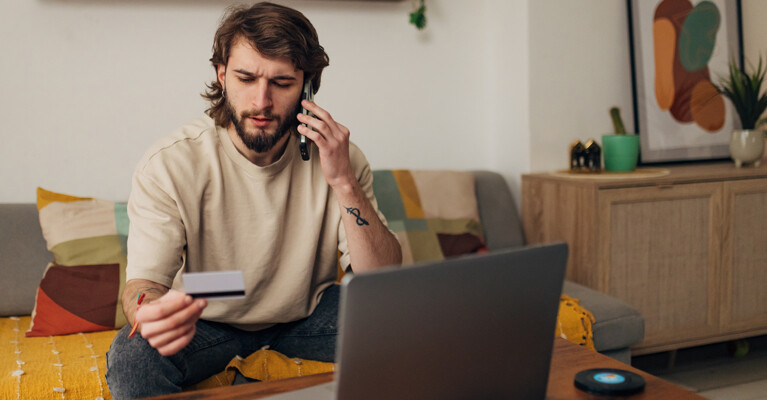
<point>168,323</point>
<point>332,140</point>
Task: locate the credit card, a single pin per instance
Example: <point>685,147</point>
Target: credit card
<point>218,285</point>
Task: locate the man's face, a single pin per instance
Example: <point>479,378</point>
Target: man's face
<point>262,95</point>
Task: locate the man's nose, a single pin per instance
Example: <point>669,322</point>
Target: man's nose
<point>262,96</point>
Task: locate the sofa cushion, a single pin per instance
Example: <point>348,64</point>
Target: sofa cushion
<point>433,213</point>
<point>80,290</point>
<point>497,211</point>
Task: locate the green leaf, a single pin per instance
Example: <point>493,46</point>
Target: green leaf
<point>418,17</point>
<point>744,89</point>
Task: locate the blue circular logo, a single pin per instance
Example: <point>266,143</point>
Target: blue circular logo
<point>609,377</point>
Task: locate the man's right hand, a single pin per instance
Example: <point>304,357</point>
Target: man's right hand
<point>168,323</point>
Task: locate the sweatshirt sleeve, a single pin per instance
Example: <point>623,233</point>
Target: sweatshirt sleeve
<point>157,239</point>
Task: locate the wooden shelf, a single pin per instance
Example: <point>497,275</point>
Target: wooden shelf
<point>687,248</point>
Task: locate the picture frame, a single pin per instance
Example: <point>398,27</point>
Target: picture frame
<point>680,49</point>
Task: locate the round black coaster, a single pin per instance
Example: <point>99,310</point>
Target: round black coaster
<point>609,381</point>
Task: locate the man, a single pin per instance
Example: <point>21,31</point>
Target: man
<point>232,192</point>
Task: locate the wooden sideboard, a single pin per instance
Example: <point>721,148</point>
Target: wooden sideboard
<point>684,245</point>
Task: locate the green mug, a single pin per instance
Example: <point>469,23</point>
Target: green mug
<point>621,152</point>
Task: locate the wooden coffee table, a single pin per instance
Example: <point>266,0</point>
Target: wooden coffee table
<point>566,361</point>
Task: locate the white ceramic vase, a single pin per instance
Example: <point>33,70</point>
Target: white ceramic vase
<point>747,147</point>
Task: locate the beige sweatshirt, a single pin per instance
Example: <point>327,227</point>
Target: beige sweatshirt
<point>198,205</point>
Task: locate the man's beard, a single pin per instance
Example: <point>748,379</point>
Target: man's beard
<point>261,141</point>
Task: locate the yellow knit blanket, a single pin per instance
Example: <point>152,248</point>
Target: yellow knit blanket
<point>73,366</point>
<point>574,322</point>
<point>53,367</point>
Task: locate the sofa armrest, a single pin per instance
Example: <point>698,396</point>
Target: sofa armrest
<point>617,325</point>
<point>23,257</point>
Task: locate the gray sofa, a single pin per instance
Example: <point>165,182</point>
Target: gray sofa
<point>23,257</point>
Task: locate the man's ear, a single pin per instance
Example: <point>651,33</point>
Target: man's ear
<point>221,74</point>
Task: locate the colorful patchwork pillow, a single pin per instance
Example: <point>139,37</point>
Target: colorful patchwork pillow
<point>433,213</point>
<point>80,290</point>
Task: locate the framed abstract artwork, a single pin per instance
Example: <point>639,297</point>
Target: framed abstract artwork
<point>680,49</point>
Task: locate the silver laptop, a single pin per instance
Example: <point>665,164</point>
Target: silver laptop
<point>473,327</point>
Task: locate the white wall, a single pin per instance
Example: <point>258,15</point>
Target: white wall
<point>754,29</point>
<point>506,85</point>
<point>580,67</point>
<point>507,77</point>
<point>91,84</point>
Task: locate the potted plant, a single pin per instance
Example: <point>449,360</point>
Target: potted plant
<point>621,151</point>
<point>745,93</point>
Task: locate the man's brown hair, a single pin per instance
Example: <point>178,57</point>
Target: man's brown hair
<point>276,32</point>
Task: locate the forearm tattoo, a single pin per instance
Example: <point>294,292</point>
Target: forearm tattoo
<point>356,212</point>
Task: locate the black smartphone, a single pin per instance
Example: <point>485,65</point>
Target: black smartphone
<point>303,143</point>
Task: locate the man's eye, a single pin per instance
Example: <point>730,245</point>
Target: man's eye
<point>281,85</point>
<point>245,80</point>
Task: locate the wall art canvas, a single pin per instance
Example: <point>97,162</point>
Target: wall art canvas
<point>680,50</point>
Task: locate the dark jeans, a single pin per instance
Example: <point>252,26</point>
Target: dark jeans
<point>135,369</point>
